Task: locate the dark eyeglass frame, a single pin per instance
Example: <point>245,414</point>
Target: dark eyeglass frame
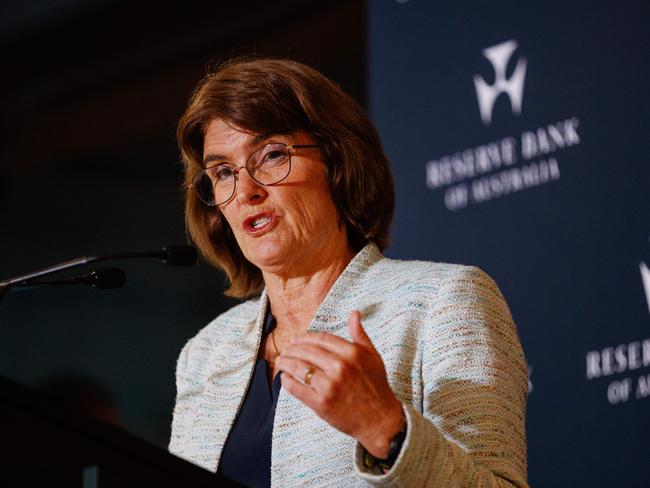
<point>237,169</point>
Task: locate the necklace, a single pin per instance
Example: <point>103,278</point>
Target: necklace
<point>275,346</point>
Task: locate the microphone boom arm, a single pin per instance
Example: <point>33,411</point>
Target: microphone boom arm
<point>174,255</point>
<point>72,263</point>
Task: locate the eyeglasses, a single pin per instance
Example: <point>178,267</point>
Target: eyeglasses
<point>268,165</point>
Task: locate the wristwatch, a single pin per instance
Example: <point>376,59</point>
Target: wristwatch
<point>394,448</point>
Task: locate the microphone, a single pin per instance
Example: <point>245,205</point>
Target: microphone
<point>177,255</point>
<point>173,255</point>
<point>101,278</point>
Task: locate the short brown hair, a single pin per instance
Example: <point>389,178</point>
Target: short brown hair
<point>266,96</point>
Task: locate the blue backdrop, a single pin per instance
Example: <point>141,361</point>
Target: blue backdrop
<point>518,134</point>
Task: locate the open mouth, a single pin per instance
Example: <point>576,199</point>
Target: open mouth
<point>258,223</point>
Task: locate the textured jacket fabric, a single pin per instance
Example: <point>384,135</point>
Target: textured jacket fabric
<point>452,357</point>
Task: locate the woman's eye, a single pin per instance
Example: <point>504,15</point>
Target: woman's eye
<point>274,156</point>
<point>221,173</point>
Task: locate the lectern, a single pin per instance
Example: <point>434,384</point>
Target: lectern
<point>48,445</point>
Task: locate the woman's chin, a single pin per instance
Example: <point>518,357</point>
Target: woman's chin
<point>267,256</point>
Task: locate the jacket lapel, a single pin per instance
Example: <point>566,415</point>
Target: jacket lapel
<point>231,370</point>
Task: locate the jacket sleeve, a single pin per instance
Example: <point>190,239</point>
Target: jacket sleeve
<point>182,410</point>
<point>470,429</point>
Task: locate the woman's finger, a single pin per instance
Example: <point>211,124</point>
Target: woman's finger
<point>356,330</point>
<point>300,370</point>
<point>327,341</point>
<point>305,393</point>
<point>316,355</point>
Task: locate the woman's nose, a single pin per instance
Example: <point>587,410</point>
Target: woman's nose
<point>248,190</point>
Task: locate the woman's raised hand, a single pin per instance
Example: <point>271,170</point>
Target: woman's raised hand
<point>345,384</point>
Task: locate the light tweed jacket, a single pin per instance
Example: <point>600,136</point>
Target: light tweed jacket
<point>452,355</point>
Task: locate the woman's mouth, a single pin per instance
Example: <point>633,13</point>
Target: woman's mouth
<point>259,223</point>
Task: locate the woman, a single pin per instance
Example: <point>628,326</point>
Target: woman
<point>346,368</point>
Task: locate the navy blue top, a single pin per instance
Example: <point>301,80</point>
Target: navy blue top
<point>246,455</point>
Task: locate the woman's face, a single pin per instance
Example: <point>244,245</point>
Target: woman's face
<point>284,227</point>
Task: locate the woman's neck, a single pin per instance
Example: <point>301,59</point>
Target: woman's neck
<point>295,299</point>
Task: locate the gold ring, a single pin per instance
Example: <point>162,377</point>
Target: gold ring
<point>309,372</point>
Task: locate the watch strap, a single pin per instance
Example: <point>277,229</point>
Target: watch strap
<point>394,449</point>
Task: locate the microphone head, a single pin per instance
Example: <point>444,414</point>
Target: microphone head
<point>106,278</point>
<point>179,255</point>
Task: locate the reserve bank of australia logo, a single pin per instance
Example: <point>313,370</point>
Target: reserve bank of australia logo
<point>487,95</point>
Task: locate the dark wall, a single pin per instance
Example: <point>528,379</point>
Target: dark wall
<point>90,96</point>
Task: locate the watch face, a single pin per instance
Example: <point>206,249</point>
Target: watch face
<point>395,447</point>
